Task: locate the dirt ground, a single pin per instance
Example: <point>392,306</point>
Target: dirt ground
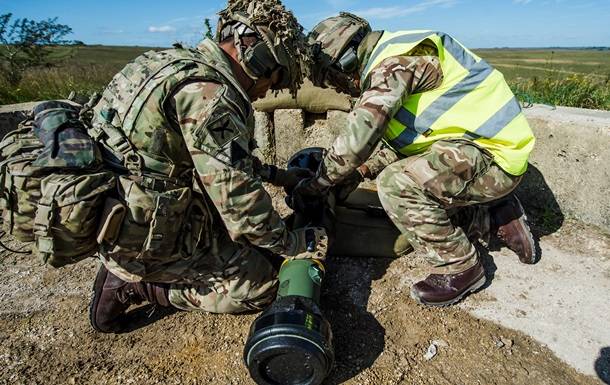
<point>380,335</point>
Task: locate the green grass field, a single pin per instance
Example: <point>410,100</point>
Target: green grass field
<point>525,63</point>
<point>81,69</point>
<point>578,78</point>
<point>566,77</point>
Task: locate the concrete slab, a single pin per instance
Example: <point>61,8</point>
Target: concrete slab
<point>569,173</point>
<point>580,116</point>
<point>563,302</point>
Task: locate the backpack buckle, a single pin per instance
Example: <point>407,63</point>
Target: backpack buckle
<point>43,219</point>
<point>45,246</point>
<point>133,163</point>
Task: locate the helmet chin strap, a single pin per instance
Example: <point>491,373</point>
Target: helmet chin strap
<point>252,85</point>
<point>237,36</point>
<point>242,64</point>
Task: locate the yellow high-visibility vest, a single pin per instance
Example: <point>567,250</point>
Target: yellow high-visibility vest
<point>473,102</point>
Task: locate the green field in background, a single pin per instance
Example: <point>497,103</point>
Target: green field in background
<point>573,77</point>
<point>525,63</point>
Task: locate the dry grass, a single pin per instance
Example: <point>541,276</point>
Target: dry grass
<point>576,78</point>
<point>57,82</point>
<point>88,69</point>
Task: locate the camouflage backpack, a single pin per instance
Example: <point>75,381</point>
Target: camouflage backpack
<point>52,189</point>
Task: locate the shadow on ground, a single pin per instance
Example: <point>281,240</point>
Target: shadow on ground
<point>359,338</point>
<point>602,365</point>
<point>489,265</point>
<point>146,315</point>
<point>540,203</point>
<point>358,335</point>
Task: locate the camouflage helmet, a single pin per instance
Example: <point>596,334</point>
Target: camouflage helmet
<point>283,42</point>
<point>335,44</point>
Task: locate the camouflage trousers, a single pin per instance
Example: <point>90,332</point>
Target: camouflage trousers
<point>233,279</point>
<point>245,280</point>
<point>438,200</point>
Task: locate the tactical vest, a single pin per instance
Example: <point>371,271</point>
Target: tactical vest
<point>473,102</point>
<point>132,119</point>
<point>159,223</point>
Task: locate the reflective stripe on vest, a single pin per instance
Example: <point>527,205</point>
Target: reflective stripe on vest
<point>473,102</point>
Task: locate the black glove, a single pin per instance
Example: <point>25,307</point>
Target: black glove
<point>348,185</point>
<point>291,177</point>
<point>306,193</point>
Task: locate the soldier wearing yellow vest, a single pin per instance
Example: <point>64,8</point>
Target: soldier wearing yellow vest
<point>443,135</point>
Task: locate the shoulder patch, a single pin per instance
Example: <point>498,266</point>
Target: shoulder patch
<point>224,134</point>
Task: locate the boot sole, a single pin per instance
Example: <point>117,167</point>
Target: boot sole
<point>98,286</point>
<point>475,287</point>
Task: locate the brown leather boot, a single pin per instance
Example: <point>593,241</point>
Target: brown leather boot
<point>112,297</point>
<point>509,224</point>
<point>447,289</point>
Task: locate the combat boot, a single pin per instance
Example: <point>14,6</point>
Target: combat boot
<point>447,289</point>
<point>112,297</point>
<point>509,224</point>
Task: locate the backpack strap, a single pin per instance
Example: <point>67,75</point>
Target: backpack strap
<point>117,142</point>
<point>43,221</point>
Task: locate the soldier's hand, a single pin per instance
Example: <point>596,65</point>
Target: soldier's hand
<point>308,243</point>
<point>291,177</point>
<point>348,185</point>
<point>306,191</point>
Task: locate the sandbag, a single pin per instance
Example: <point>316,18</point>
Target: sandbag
<point>311,99</point>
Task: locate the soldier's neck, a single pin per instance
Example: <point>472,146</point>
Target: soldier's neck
<point>231,52</point>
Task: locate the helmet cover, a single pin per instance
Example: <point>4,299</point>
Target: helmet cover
<point>333,41</point>
<point>279,30</point>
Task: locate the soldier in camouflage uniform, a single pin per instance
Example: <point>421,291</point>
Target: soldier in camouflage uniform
<point>438,186</point>
<point>199,232</point>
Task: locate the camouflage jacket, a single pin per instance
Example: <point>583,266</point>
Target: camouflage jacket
<point>193,113</point>
<point>392,81</point>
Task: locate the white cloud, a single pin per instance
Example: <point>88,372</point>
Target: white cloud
<point>113,31</point>
<point>161,29</point>
<point>398,11</point>
<point>522,1</point>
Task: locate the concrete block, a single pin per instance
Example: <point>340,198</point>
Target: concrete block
<point>321,130</point>
<point>337,122</point>
<point>569,171</point>
<point>12,114</point>
<point>264,137</point>
<point>289,134</point>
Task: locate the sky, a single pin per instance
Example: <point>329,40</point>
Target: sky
<point>476,23</point>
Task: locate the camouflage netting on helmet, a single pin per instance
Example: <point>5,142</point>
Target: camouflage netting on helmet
<point>280,30</point>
